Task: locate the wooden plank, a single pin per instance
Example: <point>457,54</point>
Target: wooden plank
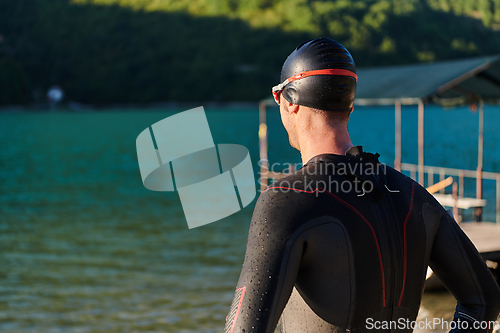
<point>462,203</point>
<point>485,236</point>
<point>439,186</point>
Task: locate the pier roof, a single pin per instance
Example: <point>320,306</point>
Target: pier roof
<point>449,83</point>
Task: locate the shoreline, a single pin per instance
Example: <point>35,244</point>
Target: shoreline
<point>76,106</point>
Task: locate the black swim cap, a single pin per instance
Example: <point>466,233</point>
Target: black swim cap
<point>330,84</point>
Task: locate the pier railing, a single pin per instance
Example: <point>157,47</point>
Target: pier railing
<point>460,174</point>
<point>459,192</point>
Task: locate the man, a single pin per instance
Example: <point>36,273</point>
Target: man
<point>344,243</point>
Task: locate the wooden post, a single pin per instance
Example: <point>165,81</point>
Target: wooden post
<point>455,199</point>
<point>264,163</point>
<point>413,172</point>
<point>461,189</point>
<point>397,148</point>
<point>441,178</point>
<point>479,177</point>
<point>430,177</point>
<point>498,200</point>
<point>421,142</point>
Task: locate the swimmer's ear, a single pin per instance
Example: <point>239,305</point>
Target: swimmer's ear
<point>291,93</point>
<point>292,108</point>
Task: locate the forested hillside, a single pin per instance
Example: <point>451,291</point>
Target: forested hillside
<point>144,51</point>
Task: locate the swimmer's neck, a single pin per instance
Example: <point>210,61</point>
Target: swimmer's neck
<point>323,139</point>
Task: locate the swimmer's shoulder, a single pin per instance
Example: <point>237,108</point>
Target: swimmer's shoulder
<point>294,183</point>
<point>284,195</point>
<point>409,188</point>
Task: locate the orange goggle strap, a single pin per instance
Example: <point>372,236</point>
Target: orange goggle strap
<point>340,72</point>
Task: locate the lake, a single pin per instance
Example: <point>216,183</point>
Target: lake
<point>86,248</point>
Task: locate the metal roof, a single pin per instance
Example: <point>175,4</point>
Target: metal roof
<point>447,83</point>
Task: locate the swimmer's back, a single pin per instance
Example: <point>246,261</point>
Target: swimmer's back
<point>343,256</point>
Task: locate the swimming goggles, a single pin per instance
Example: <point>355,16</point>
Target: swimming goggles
<point>340,72</point>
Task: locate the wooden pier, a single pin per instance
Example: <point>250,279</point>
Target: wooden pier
<point>457,199</point>
<point>486,238</point>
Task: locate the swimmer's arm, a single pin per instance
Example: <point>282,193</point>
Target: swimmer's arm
<point>461,268</point>
<point>268,274</point>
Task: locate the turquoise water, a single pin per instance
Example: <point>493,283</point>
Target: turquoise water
<point>84,247</point>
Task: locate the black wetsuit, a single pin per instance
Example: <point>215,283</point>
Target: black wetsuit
<point>346,242</point>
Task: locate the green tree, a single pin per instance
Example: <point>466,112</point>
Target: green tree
<point>142,51</point>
